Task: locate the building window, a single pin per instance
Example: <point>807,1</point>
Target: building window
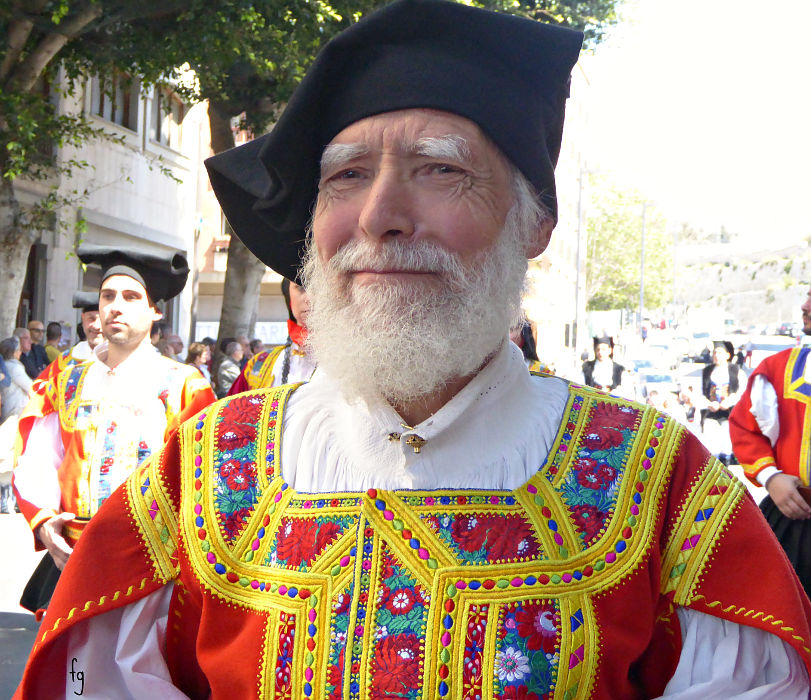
<point>168,111</point>
<point>116,100</point>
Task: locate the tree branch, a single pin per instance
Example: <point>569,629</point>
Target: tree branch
<point>18,33</point>
<point>30,69</point>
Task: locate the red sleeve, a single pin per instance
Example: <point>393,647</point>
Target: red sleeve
<point>239,385</point>
<point>751,447</point>
<point>197,394</point>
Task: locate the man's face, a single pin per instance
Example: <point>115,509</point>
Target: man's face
<point>602,351</point>
<point>91,323</point>
<point>418,254</point>
<point>125,311</point>
<point>37,331</point>
<point>413,175</point>
<point>299,303</point>
<point>806,309</point>
<point>25,342</point>
<point>176,344</point>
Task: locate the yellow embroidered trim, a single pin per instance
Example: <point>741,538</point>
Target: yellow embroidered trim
<point>90,603</point>
<point>753,469</point>
<point>701,521</point>
<point>67,415</point>
<point>755,615</point>
<point>153,513</point>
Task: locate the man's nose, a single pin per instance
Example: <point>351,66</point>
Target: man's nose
<point>388,209</point>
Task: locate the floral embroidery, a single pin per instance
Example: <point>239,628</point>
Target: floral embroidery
<point>396,667</point>
<point>402,606</point>
<point>511,665</point>
<point>527,651</point>
<point>591,484</point>
<point>300,540</point>
<point>474,648</point>
<point>236,486</point>
<point>339,628</point>
<point>486,538</point>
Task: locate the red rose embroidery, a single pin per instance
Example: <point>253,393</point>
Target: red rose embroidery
<point>300,541</point>
<point>512,692</point>
<point>236,435</point>
<point>588,520</point>
<point>238,475</point>
<point>400,601</point>
<point>504,536</point>
<point>612,416</point>
<point>592,475</point>
<point>602,439</point>
<point>232,523</point>
<point>396,666</point>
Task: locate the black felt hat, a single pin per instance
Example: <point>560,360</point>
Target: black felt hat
<point>606,340</point>
<point>509,75</point>
<point>86,301</point>
<point>163,276</point>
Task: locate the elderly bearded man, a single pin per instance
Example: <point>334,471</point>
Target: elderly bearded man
<point>418,522</point>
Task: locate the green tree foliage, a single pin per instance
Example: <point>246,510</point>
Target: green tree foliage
<point>614,226</point>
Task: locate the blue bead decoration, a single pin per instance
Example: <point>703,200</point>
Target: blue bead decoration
<point>474,585</point>
<point>261,533</point>
<point>414,542</point>
<point>219,568</point>
<point>200,425</point>
<point>353,551</point>
<point>311,630</point>
<point>530,580</point>
<point>553,526</point>
<point>621,545</point>
<point>308,689</point>
<point>199,521</point>
<point>292,592</point>
<point>444,500</point>
<point>380,505</point>
<point>577,574</point>
<point>198,473</point>
<point>509,500</point>
<point>443,689</point>
<point>650,452</point>
<point>447,622</point>
<point>637,498</point>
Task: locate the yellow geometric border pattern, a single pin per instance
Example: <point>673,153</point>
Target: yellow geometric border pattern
<point>704,515</point>
<point>791,391</point>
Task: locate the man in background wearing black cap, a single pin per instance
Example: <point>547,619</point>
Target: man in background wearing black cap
<point>98,420</point>
<point>424,518</point>
<point>89,332</point>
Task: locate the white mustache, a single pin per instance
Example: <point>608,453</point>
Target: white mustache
<point>415,256</point>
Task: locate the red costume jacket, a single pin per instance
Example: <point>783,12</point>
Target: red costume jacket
<point>564,587</point>
<point>790,454</point>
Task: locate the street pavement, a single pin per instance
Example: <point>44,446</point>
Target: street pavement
<point>17,626</point>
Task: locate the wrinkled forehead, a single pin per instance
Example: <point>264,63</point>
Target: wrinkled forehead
<point>419,132</point>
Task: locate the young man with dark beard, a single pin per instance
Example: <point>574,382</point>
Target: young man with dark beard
<point>425,518</point>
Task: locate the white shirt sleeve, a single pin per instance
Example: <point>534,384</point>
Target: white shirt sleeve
<point>121,652</point>
<point>35,475</point>
<point>122,655</point>
<point>764,407</point>
<point>722,660</point>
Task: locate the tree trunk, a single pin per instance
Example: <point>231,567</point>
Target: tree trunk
<point>15,244</point>
<point>244,271</point>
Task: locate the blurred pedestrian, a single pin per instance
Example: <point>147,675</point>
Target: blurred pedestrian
<point>722,384</point>
<point>53,336</point>
<point>198,357</point>
<point>33,356</point>
<point>603,372</point>
<point>229,370</point>
<point>16,394</point>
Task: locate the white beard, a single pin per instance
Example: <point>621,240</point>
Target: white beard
<point>406,340</point>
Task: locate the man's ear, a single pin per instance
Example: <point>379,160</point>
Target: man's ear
<point>156,315</point>
<point>540,239</point>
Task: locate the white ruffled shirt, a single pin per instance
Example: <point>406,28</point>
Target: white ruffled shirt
<point>332,445</point>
